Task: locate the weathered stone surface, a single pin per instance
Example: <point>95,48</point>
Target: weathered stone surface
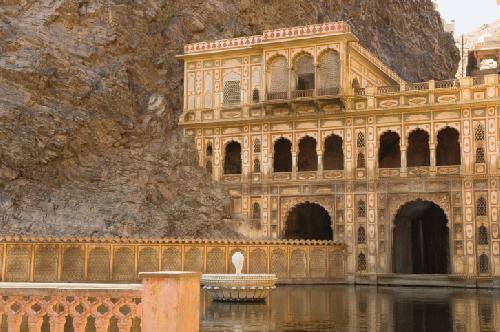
<point>90,92</point>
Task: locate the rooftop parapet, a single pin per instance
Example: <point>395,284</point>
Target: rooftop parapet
<point>315,30</point>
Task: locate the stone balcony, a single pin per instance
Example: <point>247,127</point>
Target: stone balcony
<point>319,101</point>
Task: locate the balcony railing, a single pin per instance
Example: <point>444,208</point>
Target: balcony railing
<point>360,91</point>
<point>388,89</point>
<point>302,93</point>
<point>328,91</point>
<point>447,84</point>
<point>417,86</point>
<point>281,95</point>
<point>478,80</point>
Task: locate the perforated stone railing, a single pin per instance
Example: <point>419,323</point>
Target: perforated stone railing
<point>121,260</point>
<point>77,307</point>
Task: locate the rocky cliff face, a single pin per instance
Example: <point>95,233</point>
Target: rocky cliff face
<point>90,92</point>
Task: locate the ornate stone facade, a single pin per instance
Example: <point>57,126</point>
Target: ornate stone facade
<point>317,119</point>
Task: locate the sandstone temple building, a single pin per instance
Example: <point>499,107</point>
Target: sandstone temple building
<point>316,138</point>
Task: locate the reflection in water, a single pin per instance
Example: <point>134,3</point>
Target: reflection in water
<point>348,308</point>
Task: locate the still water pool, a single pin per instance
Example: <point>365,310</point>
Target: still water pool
<point>349,308</point>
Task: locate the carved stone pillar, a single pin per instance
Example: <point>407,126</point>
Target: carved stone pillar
<point>35,323</point>
<point>79,323</point>
<point>404,161</point>
<point>102,323</point>
<point>124,324</point>
<point>294,162</point>
<point>320,161</point>
<point>432,150</point>
<point>14,321</point>
<point>57,323</point>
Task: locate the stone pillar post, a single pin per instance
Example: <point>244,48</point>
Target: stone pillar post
<point>294,162</point>
<point>171,301</point>
<point>320,161</point>
<point>404,161</point>
<point>432,151</point>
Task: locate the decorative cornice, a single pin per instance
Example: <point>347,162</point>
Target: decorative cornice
<point>123,240</point>
<point>315,30</point>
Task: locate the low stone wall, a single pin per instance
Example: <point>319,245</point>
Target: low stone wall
<point>121,260</point>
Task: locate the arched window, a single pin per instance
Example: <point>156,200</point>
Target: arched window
<point>303,72</point>
<point>479,133</point>
<point>361,208</point>
<point>361,235</point>
<point>418,153</point>
<point>333,157</point>
<point>484,266</point>
<point>282,155</point>
<point>232,158</point>
<point>482,235</point>
<point>481,207</point>
<point>278,78</point>
<point>361,262</point>
<point>256,165</point>
<point>480,156</point>
<point>208,167</point>
<point>389,153</point>
<point>232,89</point>
<point>256,211</point>
<point>361,160</point>
<point>328,73</point>
<point>256,145</point>
<point>448,147</point>
<point>360,141</point>
<point>209,150</point>
<point>307,159</point>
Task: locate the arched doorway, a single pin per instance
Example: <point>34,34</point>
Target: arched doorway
<point>282,155</point>
<point>232,158</point>
<point>448,147</point>
<point>308,221</point>
<point>421,239</point>
<point>389,153</point>
<point>307,159</point>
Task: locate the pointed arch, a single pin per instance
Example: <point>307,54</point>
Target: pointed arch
<point>448,147</point>
<point>389,152</point>
<point>282,157</point>
<point>278,78</point>
<point>418,153</point>
<point>303,72</point>
<point>232,158</point>
<point>333,156</point>
<point>307,159</point>
<point>329,72</point>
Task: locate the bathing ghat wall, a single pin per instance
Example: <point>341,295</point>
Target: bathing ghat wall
<point>121,260</point>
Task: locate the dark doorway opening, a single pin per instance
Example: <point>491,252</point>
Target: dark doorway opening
<point>308,221</point>
<point>420,239</point>
<point>282,155</point>
<point>418,153</point>
<point>333,157</point>
<point>308,157</point>
<point>448,147</point>
<point>389,153</point>
<point>232,158</point>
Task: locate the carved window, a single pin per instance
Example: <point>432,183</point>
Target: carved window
<point>256,145</point>
<point>482,236</point>
<point>479,133</point>
<point>361,235</point>
<point>481,207</point>
<point>303,70</point>
<point>484,266</point>
<point>278,82</point>
<point>361,208</point>
<point>256,166</point>
<point>208,166</point>
<point>209,150</point>
<point>256,211</point>
<point>256,84</point>
<point>232,89</point>
<point>361,160</point>
<point>361,262</point>
<point>360,142</point>
<point>480,156</point>
<point>329,72</point>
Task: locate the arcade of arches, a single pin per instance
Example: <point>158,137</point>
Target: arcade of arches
<point>309,221</point>
<point>420,238</point>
